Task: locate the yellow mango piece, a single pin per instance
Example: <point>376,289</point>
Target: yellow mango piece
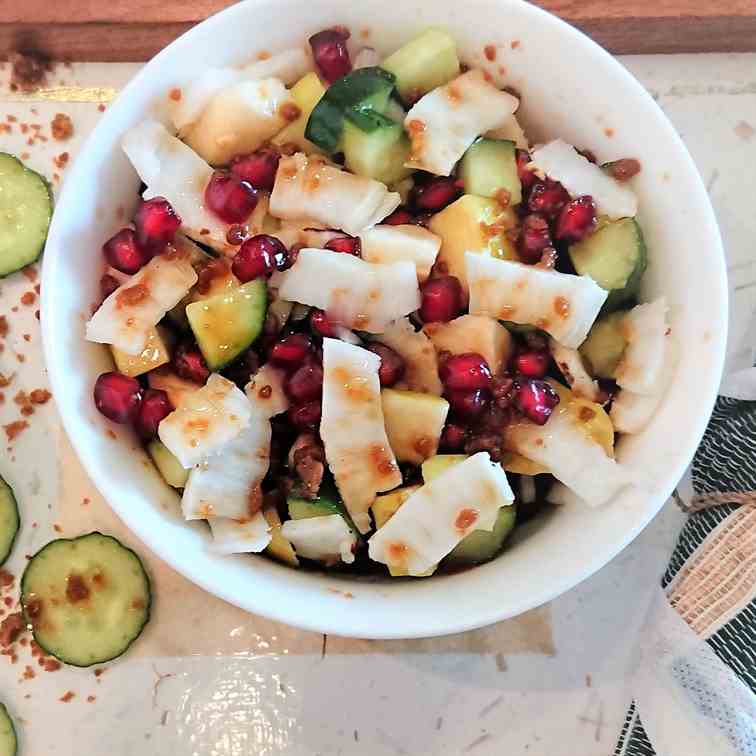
<point>386,505</point>
<point>434,466</point>
<point>306,94</point>
<point>414,423</point>
<point>516,463</point>
<point>279,547</point>
<point>153,355</point>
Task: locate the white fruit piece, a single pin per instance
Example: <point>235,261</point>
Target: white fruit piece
<point>239,537</point>
<point>563,305</point>
<point>419,355</point>
<point>388,244</point>
<point>445,122</point>
<point>354,293</point>
<point>512,132</point>
<point>366,58</point>
<point>562,162</point>
<point>473,333</point>
<point>308,189</point>
<point>570,364</point>
<point>643,361</point>
<point>291,233</point>
<point>128,317</point>
<point>178,389</point>
<point>434,519</point>
<point>206,421</point>
<point>352,428</point>
<point>266,391</point>
<point>327,539</point>
<point>173,170</point>
<point>239,119</point>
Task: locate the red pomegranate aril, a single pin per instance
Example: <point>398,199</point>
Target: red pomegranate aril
<point>229,197</point>
<point>321,325</point>
<point>400,217</point>
<point>392,366</point>
<point>548,198</point>
<point>465,372</point>
<point>155,406</point>
<point>189,363</point>
<point>123,252</point>
<point>259,256</point>
<point>536,400</point>
<point>534,238</point>
<point>305,416</point>
<point>436,194</point>
<point>117,396</point>
<point>330,53</point>
<point>532,364</point>
<point>108,284</point>
<point>258,169</point>
<point>525,174</point>
<point>291,351</point>
<point>577,219</point>
<point>468,405</point>
<point>305,383</point>
<point>442,299</point>
<point>453,437</point>
<point>156,223</point>
<point>349,245</point>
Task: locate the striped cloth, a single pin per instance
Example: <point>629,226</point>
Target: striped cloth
<point>711,583</point>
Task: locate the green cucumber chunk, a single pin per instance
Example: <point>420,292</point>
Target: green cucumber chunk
<point>324,505</point>
<point>225,325</point>
<point>483,545</point>
<point>87,598</point>
<point>490,165</point>
<point>25,212</point>
<point>615,258</point>
<point>8,740</point>
<point>363,89</point>
<point>168,466</point>
<point>9,520</point>
<point>426,62</point>
<point>375,146</point>
<point>604,346</point>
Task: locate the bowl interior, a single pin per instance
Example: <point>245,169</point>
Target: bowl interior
<point>571,88</point>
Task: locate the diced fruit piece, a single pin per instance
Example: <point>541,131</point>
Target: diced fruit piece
<point>395,242</point>
<point>392,366</point>
<point>123,252</point>
<point>279,547</point>
<point>305,416</point>
<point>189,363</point>
<point>250,535</point>
<point>536,400</point>
<point>490,166</point>
<point>177,388</point>
<point>525,173</point>
<point>326,539</point>
<point>547,198</point>
<point>511,131</point>
<point>467,405</point>
<point>534,238</point>
<point>440,463</point>
<point>152,356</point>
<point>436,194</point>
<point>9,521</point>
<point>414,423</point>
<point>519,465</point>
<point>291,351</point>
<point>347,245</point>
<point>615,257</point>
<point>453,438</point>
<point>571,365</point>
<point>532,363</point>
<point>154,407</point>
<point>258,169</point>
<point>483,545</point>
<point>327,503</point>
<point>605,345</point>
<point>321,325</point>
<point>386,505</point>
<point>400,217</point>
<point>306,94</point>
<point>623,169</point>
<point>465,372</point>
<point>305,384</point>
<point>117,396</point>
<point>576,220</point>
<point>426,62</point>
<point>229,197</point>
<point>156,224</point>
<point>375,146</point>
<point>442,299</point>
<point>168,466</point>
<point>227,324</point>
<point>330,53</point>
<point>260,256</point>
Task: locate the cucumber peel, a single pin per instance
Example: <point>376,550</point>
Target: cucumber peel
<point>9,520</point>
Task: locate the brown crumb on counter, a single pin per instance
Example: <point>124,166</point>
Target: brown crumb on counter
<point>61,161</point>
<point>609,132</point>
<point>28,298</point>
<point>29,673</point>
<point>27,337</point>
<point>175,94</point>
<point>69,695</point>
<point>515,44</point>
<point>10,628</point>
<point>91,699</point>
<point>61,127</point>
<point>85,501</point>
<point>20,357</point>
<point>4,327</point>
<point>101,108</point>
<point>100,671</point>
<point>57,528</point>
<point>15,428</point>
<point>50,665</point>
<point>490,52</point>
<point>40,396</point>
<point>6,579</point>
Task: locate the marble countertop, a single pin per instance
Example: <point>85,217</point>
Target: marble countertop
<point>207,678</point>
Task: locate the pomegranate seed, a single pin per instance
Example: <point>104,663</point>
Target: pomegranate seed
<point>436,194</point>
<point>400,217</point>
<point>156,223</point>
<point>392,366</point>
<point>534,238</point>
<point>293,254</point>
<point>108,284</point>
<point>548,198</point>
<point>305,383</point>
<point>536,400</point>
<point>123,252</point>
<point>189,363</point>
<point>154,407</point>
<point>465,372</point>
<point>441,299</point>
<point>532,364</point>
<point>468,405</point>
<point>258,169</point>
<point>623,169</point>
<point>117,396</point>
<point>452,437</point>
<point>291,351</point>
<point>577,219</point>
<point>526,176</point>
<point>259,256</point>
<point>321,325</point>
<point>350,245</point>
<point>229,197</point>
<point>305,416</point>
<point>330,53</point>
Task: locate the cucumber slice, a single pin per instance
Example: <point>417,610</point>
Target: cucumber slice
<point>87,598</point>
<point>489,166</point>
<point>8,740</point>
<point>427,62</point>
<point>615,258</point>
<point>167,464</point>
<point>326,504</point>
<point>604,346</point>
<point>25,209</point>
<point>226,324</point>
<point>9,520</point>
<point>483,545</point>
<point>363,89</point>
<point>375,146</point>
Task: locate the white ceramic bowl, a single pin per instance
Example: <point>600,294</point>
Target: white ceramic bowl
<point>571,88</point>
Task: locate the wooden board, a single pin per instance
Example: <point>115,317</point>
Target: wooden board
<point>134,30</point>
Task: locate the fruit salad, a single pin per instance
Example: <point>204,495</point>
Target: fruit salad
<point>361,322</point>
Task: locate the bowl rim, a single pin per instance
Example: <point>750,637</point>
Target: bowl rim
<point>321,623</point>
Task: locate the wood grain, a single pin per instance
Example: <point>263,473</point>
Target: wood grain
<point>134,30</point>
